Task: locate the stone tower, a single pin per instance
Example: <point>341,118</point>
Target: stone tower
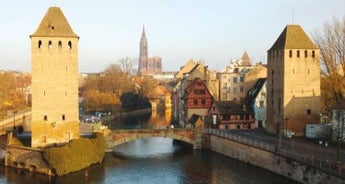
<point>293,84</point>
<point>54,57</point>
<point>143,57</point>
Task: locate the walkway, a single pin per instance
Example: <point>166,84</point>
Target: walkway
<point>317,155</point>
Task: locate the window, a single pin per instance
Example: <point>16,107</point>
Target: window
<point>272,72</point>
<point>203,102</point>
<point>196,91</point>
<point>305,53</point>
<point>241,89</point>
<point>308,111</point>
<point>195,102</point>
<point>69,45</point>
<point>297,53</point>
<point>202,91</point>
<point>234,80</point>
<point>45,118</point>
<point>313,53</point>
<point>290,53</point>
<point>39,44</point>
<point>261,103</point>
<point>293,71</point>
<point>241,79</point>
<point>263,94</point>
<point>199,83</point>
<point>234,90</point>
<point>50,44</point>
<point>63,117</point>
<point>308,71</point>
<point>60,44</point>
<point>272,102</point>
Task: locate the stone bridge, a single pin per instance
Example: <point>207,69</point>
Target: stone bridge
<point>192,136</point>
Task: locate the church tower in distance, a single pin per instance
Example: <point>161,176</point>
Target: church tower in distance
<point>54,57</point>
<point>293,82</point>
<point>143,56</point>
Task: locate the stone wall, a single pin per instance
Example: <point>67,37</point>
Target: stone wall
<point>268,160</point>
<point>27,158</point>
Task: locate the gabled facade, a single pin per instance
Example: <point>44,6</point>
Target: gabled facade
<point>197,99</point>
<point>198,71</point>
<point>293,82</point>
<point>54,57</point>
<point>232,79</point>
<point>231,115</point>
<point>257,101</point>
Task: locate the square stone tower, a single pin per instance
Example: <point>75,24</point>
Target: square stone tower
<point>54,57</point>
<point>293,82</point>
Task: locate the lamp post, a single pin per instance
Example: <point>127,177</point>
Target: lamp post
<point>320,142</point>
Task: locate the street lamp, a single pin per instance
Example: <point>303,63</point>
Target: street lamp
<point>320,142</point>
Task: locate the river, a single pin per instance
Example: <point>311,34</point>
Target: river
<point>155,161</point>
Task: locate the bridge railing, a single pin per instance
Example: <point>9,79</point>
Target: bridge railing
<point>270,144</point>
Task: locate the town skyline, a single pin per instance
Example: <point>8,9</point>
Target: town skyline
<point>176,31</point>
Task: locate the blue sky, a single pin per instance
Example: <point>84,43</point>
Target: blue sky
<point>177,30</point>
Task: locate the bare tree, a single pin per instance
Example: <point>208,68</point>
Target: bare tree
<point>127,65</point>
<point>331,41</point>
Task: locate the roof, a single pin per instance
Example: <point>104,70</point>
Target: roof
<point>253,93</point>
<point>230,108</point>
<point>245,59</point>
<point>54,24</point>
<point>194,119</point>
<point>185,69</point>
<point>293,37</point>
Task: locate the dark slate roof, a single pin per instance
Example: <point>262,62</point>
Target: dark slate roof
<point>253,93</point>
<point>54,24</point>
<point>293,37</point>
<point>194,119</point>
<point>230,108</point>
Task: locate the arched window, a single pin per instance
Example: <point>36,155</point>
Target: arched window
<point>60,44</point>
<point>39,44</point>
<point>69,45</point>
<point>50,44</point>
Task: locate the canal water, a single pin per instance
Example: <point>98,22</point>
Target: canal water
<point>155,161</point>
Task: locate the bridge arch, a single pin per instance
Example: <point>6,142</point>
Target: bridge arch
<point>118,137</point>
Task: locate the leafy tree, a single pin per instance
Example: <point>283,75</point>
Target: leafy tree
<point>146,86</point>
<point>98,101</point>
<point>12,91</point>
<point>132,101</point>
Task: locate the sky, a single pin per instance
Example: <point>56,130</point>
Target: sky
<point>177,30</point>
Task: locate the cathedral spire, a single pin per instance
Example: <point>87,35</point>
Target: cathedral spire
<point>143,35</point>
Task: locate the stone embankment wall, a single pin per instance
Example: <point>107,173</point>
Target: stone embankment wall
<point>271,161</point>
<point>27,158</point>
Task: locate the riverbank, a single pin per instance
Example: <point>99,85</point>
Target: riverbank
<point>266,156</point>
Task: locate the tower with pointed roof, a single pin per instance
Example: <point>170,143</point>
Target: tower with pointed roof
<point>147,65</point>
<point>143,56</point>
<point>293,84</point>
<point>246,60</point>
<point>54,57</point>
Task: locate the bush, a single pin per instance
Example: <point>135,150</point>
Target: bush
<point>75,155</point>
